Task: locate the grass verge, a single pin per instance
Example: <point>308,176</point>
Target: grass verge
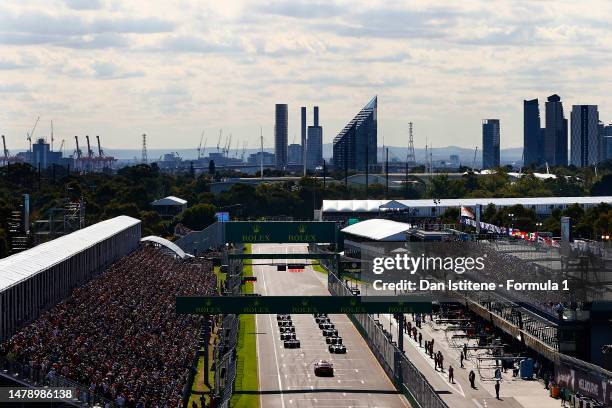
<point>247,378</point>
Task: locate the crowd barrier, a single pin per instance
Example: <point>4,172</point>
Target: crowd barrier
<point>26,374</point>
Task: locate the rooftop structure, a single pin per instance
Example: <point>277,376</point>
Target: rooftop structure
<point>379,230</point>
<point>427,208</point>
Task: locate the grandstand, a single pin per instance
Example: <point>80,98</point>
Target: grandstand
<point>108,327</point>
<point>33,280</point>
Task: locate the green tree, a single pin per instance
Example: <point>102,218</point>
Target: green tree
<point>603,187</point>
<point>450,216</point>
<point>199,216</point>
<point>4,245</point>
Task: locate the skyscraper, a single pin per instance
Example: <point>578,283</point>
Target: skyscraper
<point>490,143</point>
<point>532,135</point>
<point>355,145</point>
<point>294,154</point>
<point>585,147</point>
<point>303,129</point>
<point>606,141</point>
<point>555,134</point>
<point>281,126</point>
<point>314,150</point>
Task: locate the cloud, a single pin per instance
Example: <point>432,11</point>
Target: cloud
<point>13,88</point>
<point>394,22</point>
<point>110,70</point>
<point>84,4</point>
<point>301,9</point>
<point>197,44</point>
<point>146,63</point>
<point>390,58</point>
<point>44,24</point>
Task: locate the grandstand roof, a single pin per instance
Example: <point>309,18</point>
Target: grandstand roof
<point>379,230</point>
<point>168,244</point>
<point>170,200</point>
<point>23,265</point>
<point>331,206</point>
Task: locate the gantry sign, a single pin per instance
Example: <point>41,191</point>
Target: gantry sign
<point>280,232</point>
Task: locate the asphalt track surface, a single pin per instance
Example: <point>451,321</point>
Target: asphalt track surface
<point>286,376</point>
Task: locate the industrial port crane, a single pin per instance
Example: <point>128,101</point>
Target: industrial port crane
<point>200,146</point>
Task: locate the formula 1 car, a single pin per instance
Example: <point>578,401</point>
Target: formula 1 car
<point>323,326</point>
<point>337,349</point>
<point>289,329</point>
<point>330,332</point>
<point>280,317</point>
<point>285,323</point>
<point>287,336</point>
<point>333,340</point>
<point>324,368</point>
<point>294,343</point>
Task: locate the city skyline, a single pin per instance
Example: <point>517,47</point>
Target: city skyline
<point>120,70</point>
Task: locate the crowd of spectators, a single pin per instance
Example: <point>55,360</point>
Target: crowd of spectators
<point>119,335</point>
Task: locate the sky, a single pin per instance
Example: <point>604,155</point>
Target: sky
<point>174,69</point>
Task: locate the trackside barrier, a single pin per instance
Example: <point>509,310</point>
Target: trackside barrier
<point>406,377</point>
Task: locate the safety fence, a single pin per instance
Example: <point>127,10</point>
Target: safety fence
<point>406,377</point>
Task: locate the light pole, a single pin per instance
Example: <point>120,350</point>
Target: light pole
<point>436,202</point>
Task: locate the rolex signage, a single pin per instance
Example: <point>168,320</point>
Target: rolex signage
<point>280,231</point>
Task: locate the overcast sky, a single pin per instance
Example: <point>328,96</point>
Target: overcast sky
<point>174,68</point>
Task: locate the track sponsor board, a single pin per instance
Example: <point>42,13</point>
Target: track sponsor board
<point>280,232</point>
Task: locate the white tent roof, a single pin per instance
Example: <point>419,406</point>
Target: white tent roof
<point>168,244</point>
<point>170,200</point>
<point>23,265</point>
<point>393,205</point>
<point>379,230</point>
<point>331,206</point>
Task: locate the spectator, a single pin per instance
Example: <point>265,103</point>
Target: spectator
<point>119,333</point>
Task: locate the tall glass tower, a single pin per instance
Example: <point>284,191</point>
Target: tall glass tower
<point>281,128</point>
<point>490,143</point>
<point>532,135</point>
<point>355,145</point>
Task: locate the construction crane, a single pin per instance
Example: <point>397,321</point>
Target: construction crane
<point>77,152</point>
<point>4,149</point>
<point>200,146</point>
<point>229,145</point>
<point>244,146</point>
<point>61,149</point>
<point>474,162</point>
<point>52,135</point>
<point>237,148</point>
<point>31,133</point>
<point>261,153</point>
<point>89,151</point>
<point>219,141</point>
<point>100,151</point>
<point>5,158</point>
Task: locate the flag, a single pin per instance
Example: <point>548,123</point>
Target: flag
<point>467,212</point>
